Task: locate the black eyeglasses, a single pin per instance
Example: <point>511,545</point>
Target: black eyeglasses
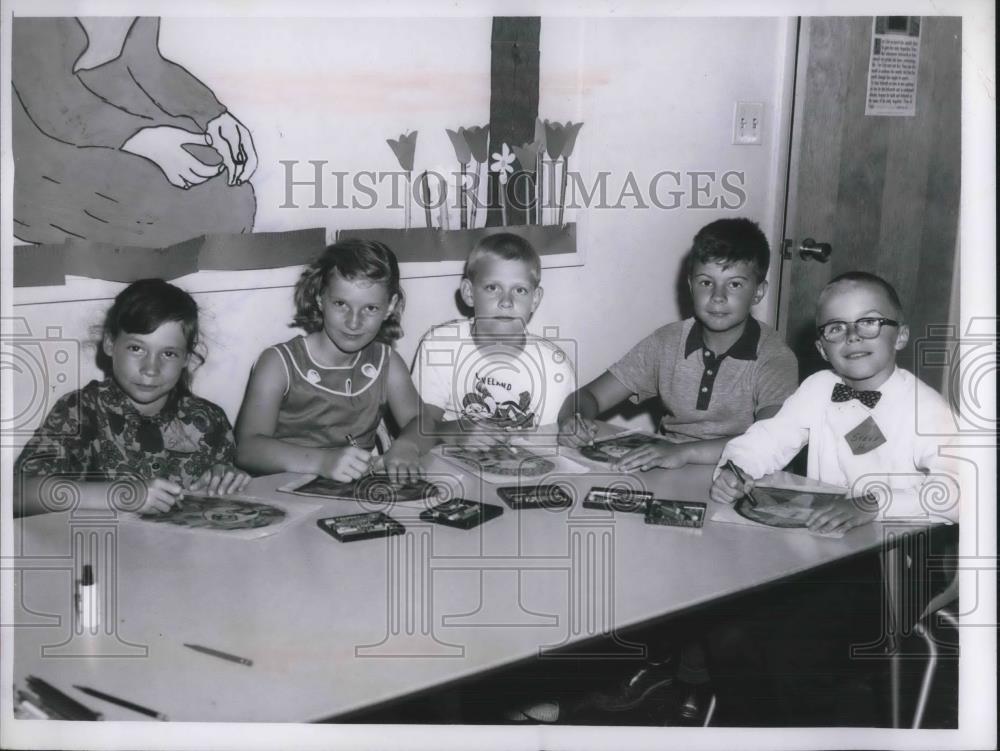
<point>866,328</point>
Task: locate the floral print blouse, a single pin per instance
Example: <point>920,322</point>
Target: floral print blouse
<point>96,433</point>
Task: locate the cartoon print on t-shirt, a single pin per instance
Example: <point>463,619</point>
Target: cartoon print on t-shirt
<point>482,405</point>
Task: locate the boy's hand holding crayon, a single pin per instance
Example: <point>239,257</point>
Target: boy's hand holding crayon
<point>730,485</point>
<point>576,431</point>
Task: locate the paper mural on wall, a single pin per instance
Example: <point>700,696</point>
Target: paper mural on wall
<point>115,144</point>
<point>449,199</point>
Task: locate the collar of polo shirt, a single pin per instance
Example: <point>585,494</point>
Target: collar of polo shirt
<point>744,349</point>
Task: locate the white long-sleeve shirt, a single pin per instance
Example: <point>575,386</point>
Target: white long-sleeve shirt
<point>906,472</point>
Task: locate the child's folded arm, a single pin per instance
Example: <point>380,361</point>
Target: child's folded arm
<point>402,460</point>
<point>256,448</point>
<point>777,380</point>
<point>639,369</point>
<point>770,444</point>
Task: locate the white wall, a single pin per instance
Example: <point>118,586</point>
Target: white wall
<point>654,94</point>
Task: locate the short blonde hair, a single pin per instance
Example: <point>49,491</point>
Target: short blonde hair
<point>507,246</point>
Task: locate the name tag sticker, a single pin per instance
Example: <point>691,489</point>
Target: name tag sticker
<point>865,437</point>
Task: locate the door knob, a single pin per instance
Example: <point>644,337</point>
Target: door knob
<point>810,249</point>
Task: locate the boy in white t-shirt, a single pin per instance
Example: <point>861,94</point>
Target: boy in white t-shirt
<point>482,377</point>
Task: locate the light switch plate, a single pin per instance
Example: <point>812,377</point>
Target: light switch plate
<point>748,123</point>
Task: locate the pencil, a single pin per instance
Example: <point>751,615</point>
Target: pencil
<point>121,702</point>
<point>220,655</point>
<point>742,478</point>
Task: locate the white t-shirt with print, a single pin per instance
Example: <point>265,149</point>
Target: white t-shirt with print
<point>502,384</point>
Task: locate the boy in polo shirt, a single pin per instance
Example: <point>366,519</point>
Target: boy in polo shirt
<point>714,374</point>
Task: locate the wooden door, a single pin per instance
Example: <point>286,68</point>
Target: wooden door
<point>883,192</point>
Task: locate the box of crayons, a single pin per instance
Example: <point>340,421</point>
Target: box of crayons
<point>690,514</point>
<point>536,496</point>
<point>461,513</point>
<point>353,527</point>
<point>625,500</point>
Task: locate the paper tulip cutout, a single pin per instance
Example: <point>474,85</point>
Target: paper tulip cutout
<point>463,154</point>
<point>477,138</point>
<point>540,133</point>
<point>404,149</point>
<point>555,139</point>
<point>559,142</point>
<point>527,156</point>
<point>462,151</point>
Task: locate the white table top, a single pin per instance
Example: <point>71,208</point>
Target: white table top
<point>333,627</point>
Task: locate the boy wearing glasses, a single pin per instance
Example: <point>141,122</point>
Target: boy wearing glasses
<point>859,418</point>
<point>789,657</point>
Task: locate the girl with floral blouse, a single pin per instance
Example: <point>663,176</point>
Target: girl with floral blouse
<point>138,439</point>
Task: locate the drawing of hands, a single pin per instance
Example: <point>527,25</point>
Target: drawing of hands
<point>234,143</point>
<point>163,145</point>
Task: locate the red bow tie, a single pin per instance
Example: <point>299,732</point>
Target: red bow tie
<point>842,393</point>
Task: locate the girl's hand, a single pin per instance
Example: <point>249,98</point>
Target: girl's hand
<point>346,464</point>
<point>727,487</point>
<point>842,515</point>
<point>402,462</point>
<point>221,479</point>
<point>161,495</point>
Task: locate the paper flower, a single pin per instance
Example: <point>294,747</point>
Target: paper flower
<point>477,139</point>
<point>559,142</point>
<point>572,130</point>
<point>560,139</point>
<point>555,138</point>
<point>527,156</point>
<point>462,151</point>
<point>540,134</point>
<point>503,164</point>
<point>404,149</point>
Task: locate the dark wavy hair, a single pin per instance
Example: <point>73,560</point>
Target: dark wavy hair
<point>353,260</point>
<point>729,241</point>
<point>141,308</point>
